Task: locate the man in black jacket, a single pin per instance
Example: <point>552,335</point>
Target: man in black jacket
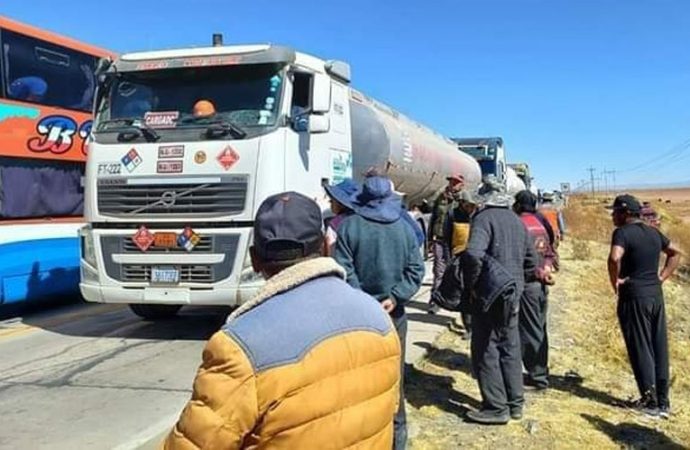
<point>496,358</point>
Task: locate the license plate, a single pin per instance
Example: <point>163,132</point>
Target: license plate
<point>165,240</point>
<point>165,275</point>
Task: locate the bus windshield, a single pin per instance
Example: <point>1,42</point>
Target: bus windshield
<point>178,100</point>
<point>47,74</point>
<point>46,98</point>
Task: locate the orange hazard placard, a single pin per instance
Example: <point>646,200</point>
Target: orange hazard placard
<point>165,240</point>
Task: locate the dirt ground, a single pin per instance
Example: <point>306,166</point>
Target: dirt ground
<point>590,376</point>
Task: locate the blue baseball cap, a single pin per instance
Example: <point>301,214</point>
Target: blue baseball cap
<point>288,226</point>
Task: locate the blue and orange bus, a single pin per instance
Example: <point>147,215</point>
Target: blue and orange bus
<point>47,85</point>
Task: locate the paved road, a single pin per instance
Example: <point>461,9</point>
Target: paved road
<point>88,376</point>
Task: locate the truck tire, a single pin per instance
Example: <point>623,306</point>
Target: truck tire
<point>154,312</point>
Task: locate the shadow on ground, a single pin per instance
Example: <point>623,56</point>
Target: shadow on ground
<point>570,383</point>
<point>425,389</point>
<point>633,435</point>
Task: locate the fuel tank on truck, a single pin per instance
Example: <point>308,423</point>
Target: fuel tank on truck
<point>417,159</point>
<point>513,182</point>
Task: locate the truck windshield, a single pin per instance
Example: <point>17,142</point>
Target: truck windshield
<point>480,152</point>
<point>175,101</point>
<point>488,167</point>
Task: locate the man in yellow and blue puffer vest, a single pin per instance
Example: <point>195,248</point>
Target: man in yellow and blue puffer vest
<point>309,363</point>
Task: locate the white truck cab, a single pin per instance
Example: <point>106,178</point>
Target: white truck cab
<point>187,143</point>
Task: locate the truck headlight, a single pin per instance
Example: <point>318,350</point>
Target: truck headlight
<point>88,249</point>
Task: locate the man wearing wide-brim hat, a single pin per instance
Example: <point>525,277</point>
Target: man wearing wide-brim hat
<point>497,236</point>
<point>381,257</point>
<point>341,196</point>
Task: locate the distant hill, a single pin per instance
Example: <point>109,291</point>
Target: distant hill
<point>645,186</point>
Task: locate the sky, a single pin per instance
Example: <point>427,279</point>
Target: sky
<point>568,84</point>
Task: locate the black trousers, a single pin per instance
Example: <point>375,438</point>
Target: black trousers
<point>466,321</point>
<point>642,318</point>
<point>400,419</point>
<point>496,359</point>
<point>534,338</point>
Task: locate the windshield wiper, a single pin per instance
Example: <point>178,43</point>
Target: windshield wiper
<point>218,127</point>
<point>136,126</point>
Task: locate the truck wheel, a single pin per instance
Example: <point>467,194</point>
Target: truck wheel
<point>155,312</point>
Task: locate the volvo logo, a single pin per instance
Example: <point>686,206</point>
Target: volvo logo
<point>168,198</point>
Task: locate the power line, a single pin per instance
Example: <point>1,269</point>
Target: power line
<point>674,152</point>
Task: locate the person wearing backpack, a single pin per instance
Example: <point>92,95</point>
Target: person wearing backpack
<point>534,340</point>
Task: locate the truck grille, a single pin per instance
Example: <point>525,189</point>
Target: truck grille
<point>205,245</point>
<point>227,244</point>
<point>188,273</point>
<point>118,199</point>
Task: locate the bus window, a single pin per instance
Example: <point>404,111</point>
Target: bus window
<point>41,72</point>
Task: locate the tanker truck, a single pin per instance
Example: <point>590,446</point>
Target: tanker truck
<point>523,172</point>
<point>491,156</point>
<point>187,143</point>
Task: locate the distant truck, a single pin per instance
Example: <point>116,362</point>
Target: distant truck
<point>491,156</point>
<point>523,172</point>
<point>187,143</point>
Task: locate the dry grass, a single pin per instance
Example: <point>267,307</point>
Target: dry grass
<point>581,250</point>
<point>588,219</point>
<point>591,376</point>
<point>673,206</point>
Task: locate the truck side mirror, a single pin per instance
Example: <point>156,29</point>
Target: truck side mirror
<point>311,123</point>
<point>321,94</point>
<point>319,124</point>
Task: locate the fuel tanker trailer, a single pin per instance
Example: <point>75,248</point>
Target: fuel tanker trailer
<point>187,143</point>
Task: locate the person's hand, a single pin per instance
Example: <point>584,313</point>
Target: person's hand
<point>620,282</point>
<point>388,305</point>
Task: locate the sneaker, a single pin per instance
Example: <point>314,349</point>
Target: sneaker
<point>665,412</point>
<point>433,308</point>
<point>531,385</point>
<point>487,418</point>
<point>645,406</point>
<point>516,413</point>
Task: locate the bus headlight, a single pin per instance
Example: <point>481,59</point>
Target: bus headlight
<point>88,249</point>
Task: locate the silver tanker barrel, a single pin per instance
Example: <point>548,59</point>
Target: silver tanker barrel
<point>417,159</point>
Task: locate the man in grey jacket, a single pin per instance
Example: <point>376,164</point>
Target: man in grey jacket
<point>496,359</point>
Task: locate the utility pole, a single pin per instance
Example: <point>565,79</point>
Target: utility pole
<point>606,181</point>
<point>613,177</point>
<point>591,176</point>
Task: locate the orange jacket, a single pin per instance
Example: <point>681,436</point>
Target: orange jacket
<point>310,363</point>
<point>551,215</point>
